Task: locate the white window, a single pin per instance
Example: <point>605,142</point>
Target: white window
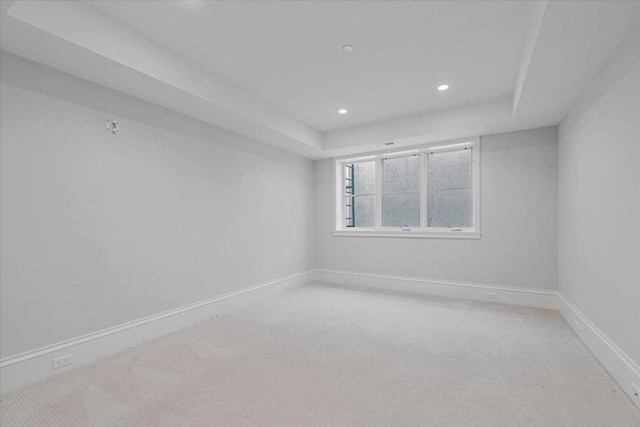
<point>430,191</point>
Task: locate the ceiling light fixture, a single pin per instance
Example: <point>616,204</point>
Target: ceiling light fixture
<point>342,111</point>
<point>443,87</point>
<point>347,48</point>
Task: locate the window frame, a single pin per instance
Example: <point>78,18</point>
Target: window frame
<point>423,231</point>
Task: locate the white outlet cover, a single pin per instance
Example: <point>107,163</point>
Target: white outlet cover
<point>113,126</point>
<point>62,361</point>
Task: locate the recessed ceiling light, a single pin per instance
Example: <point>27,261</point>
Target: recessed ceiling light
<point>342,111</point>
<point>347,48</point>
<point>443,87</point>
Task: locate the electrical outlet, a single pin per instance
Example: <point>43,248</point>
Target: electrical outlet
<point>492,296</point>
<point>62,361</point>
<point>113,127</point>
<point>636,391</point>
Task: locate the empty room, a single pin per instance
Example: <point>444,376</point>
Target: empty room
<point>319,213</point>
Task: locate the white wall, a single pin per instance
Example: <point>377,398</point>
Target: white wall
<point>100,229</point>
<point>518,223</point>
<point>599,202</point>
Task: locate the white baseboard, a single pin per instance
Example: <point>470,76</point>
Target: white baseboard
<point>29,367</point>
<point>35,365</point>
<point>620,366</point>
<point>540,298</point>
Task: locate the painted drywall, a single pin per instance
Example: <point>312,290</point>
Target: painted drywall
<point>518,223</point>
<point>599,201</point>
<point>100,229</point>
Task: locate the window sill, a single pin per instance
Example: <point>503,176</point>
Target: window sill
<point>471,235</point>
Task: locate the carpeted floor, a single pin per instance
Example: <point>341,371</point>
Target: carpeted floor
<point>325,355</point>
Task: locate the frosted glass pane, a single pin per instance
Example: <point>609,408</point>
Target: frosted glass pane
<point>450,208</point>
<point>449,203</point>
<point>364,208</point>
<point>364,177</point>
<point>401,209</point>
<point>451,169</point>
<point>401,174</point>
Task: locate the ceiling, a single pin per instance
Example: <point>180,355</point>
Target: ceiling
<point>290,54</point>
<point>275,70</point>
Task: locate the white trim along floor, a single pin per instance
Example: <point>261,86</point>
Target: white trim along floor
<point>341,355</point>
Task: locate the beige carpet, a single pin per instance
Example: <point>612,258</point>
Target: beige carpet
<point>324,355</point>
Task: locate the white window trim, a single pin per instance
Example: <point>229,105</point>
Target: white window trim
<point>411,232</point>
